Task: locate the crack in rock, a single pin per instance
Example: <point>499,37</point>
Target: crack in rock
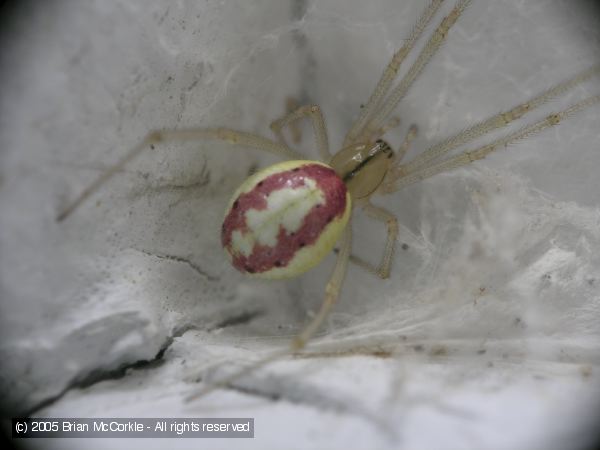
<point>99,375</point>
<point>238,319</point>
<point>181,259</point>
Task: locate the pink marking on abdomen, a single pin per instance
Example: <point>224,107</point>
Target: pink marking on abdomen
<point>264,258</point>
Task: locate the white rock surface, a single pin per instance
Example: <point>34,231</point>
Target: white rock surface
<point>487,334</point>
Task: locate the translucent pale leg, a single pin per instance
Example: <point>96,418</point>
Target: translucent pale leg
<point>318,123</point>
<point>381,214</point>
<point>410,135</point>
<point>291,104</point>
<point>469,156</point>
<point>390,72</point>
<point>332,291</point>
<point>240,138</point>
<point>498,121</point>
<point>432,46</point>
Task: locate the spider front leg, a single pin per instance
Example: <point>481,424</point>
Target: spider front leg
<point>390,73</point>
<point>235,137</point>
<point>402,179</point>
<point>384,267</point>
<point>317,121</point>
<point>495,122</point>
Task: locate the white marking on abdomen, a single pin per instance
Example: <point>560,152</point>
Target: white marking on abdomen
<point>286,207</point>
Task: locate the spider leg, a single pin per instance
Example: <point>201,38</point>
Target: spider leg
<point>358,261</point>
<point>390,72</point>
<point>383,215</point>
<point>498,121</point>
<point>468,157</point>
<point>318,123</point>
<point>410,135</point>
<point>291,104</point>
<point>332,291</point>
<point>240,138</point>
<point>430,49</point>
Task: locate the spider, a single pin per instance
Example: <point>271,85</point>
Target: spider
<point>283,220</point>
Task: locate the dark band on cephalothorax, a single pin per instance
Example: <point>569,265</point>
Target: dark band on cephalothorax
<point>383,146</point>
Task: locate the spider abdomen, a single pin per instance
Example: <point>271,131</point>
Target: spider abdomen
<point>283,220</point>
